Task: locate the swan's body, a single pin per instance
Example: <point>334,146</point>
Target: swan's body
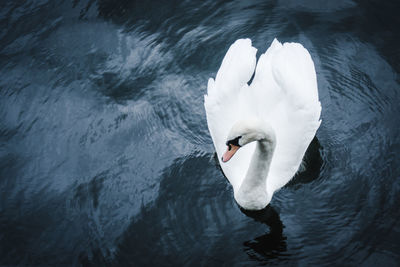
<point>272,121</point>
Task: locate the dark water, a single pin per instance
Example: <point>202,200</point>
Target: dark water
<point>105,155</point>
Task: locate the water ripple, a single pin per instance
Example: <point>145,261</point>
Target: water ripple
<point>106,159</point>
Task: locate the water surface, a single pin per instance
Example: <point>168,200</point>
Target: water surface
<point>105,155</point>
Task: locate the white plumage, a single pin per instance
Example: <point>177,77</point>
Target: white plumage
<point>283,93</point>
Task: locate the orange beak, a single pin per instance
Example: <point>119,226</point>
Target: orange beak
<point>230,152</point>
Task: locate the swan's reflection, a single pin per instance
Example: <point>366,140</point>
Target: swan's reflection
<point>311,167</point>
<point>270,245</point>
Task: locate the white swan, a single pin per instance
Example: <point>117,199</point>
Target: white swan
<point>280,110</point>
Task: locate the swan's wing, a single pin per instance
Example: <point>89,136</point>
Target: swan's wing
<point>265,94</point>
<point>286,79</point>
<point>223,105</point>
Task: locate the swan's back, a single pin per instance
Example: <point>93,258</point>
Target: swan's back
<point>283,92</point>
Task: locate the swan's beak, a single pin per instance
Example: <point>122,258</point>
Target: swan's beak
<point>230,152</point>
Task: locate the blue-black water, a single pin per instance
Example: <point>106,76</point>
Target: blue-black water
<point>105,155</point>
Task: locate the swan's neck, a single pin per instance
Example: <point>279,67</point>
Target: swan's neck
<point>252,193</point>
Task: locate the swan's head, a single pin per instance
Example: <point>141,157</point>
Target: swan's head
<point>247,131</point>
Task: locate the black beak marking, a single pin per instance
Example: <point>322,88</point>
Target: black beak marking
<point>234,142</point>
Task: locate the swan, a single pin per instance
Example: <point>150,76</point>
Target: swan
<point>261,131</point>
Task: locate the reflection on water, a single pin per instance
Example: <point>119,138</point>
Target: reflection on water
<point>105,155</point>
<point>270,245</point>
<point>179,221</point>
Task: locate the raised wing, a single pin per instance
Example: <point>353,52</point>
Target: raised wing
<point>222,104</point>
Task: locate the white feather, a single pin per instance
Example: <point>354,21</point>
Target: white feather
<point>283,92</point>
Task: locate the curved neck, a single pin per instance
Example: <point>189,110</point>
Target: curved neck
<point>260,163</point>
<point>252,193</point>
